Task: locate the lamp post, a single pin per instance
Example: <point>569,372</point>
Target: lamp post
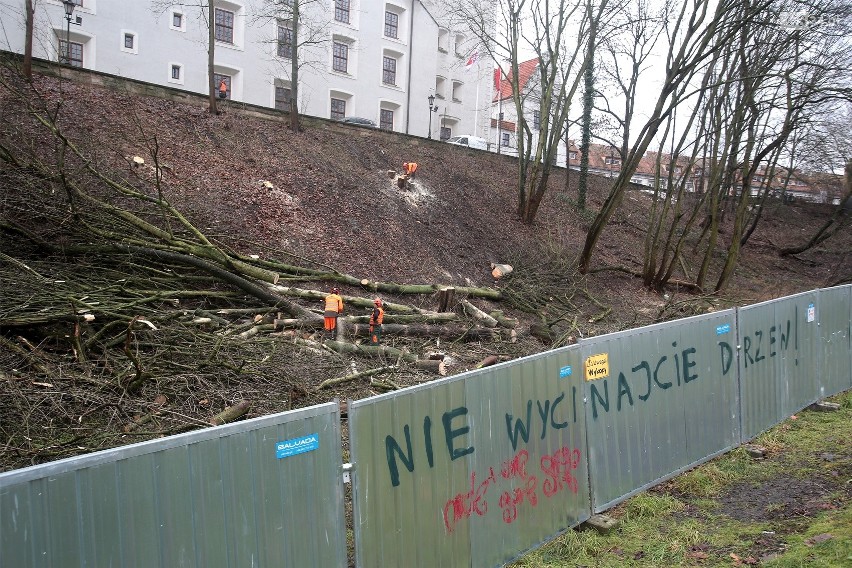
<point>432,108</point>
<point>69,9</point>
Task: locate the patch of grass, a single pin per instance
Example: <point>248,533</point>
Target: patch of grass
<point>707,480</point>
<point>826,543</point>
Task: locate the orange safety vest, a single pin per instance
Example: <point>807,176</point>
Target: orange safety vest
<point>377,317</point>
<point>410,168</point>
<point>333,305</point>
<point>223,87</point>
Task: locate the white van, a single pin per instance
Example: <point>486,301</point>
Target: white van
<point>469,141</point>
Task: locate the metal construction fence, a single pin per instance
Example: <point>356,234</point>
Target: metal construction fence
<point>264,492</point>
<point>472,470</point>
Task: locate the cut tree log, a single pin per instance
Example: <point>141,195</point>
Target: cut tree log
<point>426,317</point>
<point>488,361</point>
<point>432,331</point>
<point>372,350</point>
<point>478,314</point>
<point>231,413</point>
<point>432,365</point>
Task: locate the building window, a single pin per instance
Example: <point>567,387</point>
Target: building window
<point>341,11</point>
<point>177,20</point>
<point>446,133</point>
<point>128,42</point>
<point>338,109</point>
<point>282,98</point>
<point>612,160</point>
<point>457,87</point>
<point>504,139</point>
<point>176,72</point>
<point>217,81</point>
<point>340,61</point>
<point>71,54</point>
<point>224,26</point>
<point>536,120</point>
<point>391,25</point>
<point>389,71</point>
<point>443,40</point>
<point>285,40</point>
<point>78,2</point>
<point>386,119</point>
<point>572,155</point>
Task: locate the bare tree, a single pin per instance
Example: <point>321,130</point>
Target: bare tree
<point>207,14</point>
<point>696,33</point>
<point>302,35</point>
<point>543,27</point>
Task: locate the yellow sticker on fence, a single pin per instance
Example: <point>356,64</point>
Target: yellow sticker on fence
<point>597,367</point>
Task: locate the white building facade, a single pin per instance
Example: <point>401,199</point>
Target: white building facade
<point>376,59</point>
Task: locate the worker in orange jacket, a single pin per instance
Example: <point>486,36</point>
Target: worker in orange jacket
<point>409,168</point>
<point>223,89</point>
<point>333,308</point>
<point>376,320</point>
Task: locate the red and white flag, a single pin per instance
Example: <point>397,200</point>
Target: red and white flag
<point>471,61</point>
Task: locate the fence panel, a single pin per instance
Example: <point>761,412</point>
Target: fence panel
<point>659,399</point>
<point>263,492</point>
<point>473,470</point>
<point>778,360</point>
<point>835,353</point>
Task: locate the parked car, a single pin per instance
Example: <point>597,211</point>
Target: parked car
<point>358,121</point>
<point>469,141</point>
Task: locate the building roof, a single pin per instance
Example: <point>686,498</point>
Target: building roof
<point>525,72</point>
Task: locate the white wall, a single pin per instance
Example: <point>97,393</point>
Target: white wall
<point>254,65</point>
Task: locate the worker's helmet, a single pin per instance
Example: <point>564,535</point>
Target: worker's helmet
<point>378,301</point>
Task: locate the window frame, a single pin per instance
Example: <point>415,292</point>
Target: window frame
<point>285,45</point>
<point>343,9</point>
<point>505,139</point>
<point>536,120</point>
<point>181,70</point>
<point>71,52</point>
<point>126,34</point>
<point>336,56</point>
<point>394,27</point>
<point>223,26</point>
<point>337,114</point>
<point>387,72</point>
<point>286,104</point>
<point>384,124</point>
<point>229,81</point>
<point>177,14</point>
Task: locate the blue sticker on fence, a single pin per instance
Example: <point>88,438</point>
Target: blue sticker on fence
<point>723,329</point>
<point>565,371</point>
<point>295,446</point>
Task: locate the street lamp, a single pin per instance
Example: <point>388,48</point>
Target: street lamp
<point>432,108</point>
<point>69,9</point>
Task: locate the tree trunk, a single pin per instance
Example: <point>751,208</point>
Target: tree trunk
<point>374,350</point>
<point>28,46</point>
<point>431,331</point>
<point>294,71</point>
<point>478,314</point>
<point>231,413</point>
<point>211,63</point>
